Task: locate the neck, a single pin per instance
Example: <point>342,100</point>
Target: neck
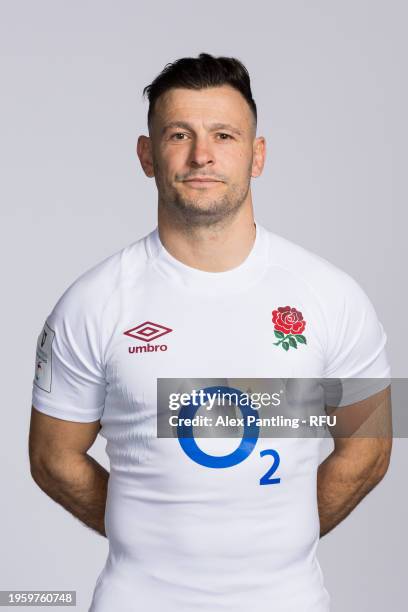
<point>216,248</point>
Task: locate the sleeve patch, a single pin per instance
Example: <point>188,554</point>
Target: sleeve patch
<point>43,360</point>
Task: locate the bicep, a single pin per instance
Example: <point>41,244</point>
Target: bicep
<point>52,437</point>
<point>363,431</point>
<point>369,417</point>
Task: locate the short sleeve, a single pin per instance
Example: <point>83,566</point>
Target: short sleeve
<point>69,380</point>
<point>356,348</point>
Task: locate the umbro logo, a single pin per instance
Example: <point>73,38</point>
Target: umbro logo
<point>147,331</point>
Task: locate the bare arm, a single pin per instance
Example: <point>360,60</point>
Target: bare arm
<point>357,464</point>
<point>62,468</point>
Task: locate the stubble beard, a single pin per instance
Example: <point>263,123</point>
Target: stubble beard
<point>202,210</point>
<point>205,211</point>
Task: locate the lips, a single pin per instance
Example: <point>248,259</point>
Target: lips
<point>202,183</point>
<point>201,180</point>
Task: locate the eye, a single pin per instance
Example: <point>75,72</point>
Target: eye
<point>224,134</point>
<point>178,134</point>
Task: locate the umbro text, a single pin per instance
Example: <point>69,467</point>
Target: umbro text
<point>147,348</point>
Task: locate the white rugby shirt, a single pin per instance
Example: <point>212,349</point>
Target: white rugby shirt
<point>185,536</point>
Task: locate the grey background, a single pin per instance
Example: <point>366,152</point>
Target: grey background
<point>329,79</point>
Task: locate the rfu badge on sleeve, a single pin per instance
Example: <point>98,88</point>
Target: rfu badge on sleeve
<point>43,360</point>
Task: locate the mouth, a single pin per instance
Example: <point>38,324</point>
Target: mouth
<point>202,182</point>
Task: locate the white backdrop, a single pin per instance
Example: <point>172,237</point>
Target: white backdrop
<point>329,79</point>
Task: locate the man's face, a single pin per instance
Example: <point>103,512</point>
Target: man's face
<point>207,135</point>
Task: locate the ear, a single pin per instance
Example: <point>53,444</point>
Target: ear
<point>259,156</point>
<point>144,152</point>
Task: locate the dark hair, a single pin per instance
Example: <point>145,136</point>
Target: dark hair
<point>200,73</point>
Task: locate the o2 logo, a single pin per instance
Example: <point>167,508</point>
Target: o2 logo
<point>245,448</point>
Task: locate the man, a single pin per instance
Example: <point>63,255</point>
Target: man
<point>208,293</point>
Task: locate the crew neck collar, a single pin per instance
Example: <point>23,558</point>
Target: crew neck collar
<point>246,273</point>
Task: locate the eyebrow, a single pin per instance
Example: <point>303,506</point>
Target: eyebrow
<point>212,127</point>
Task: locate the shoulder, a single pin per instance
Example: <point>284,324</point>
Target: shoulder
<point>90,291</point>
<point>308,269</point>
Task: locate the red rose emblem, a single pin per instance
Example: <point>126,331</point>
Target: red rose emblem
<point>289,326</point>
<point>288,320</point>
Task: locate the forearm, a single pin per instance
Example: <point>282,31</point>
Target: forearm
<point>79,484</point>
<point>342,482</point>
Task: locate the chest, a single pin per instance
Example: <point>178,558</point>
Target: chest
<point>168,334</point>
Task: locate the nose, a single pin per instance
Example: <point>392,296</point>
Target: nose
<point>201,152</point>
